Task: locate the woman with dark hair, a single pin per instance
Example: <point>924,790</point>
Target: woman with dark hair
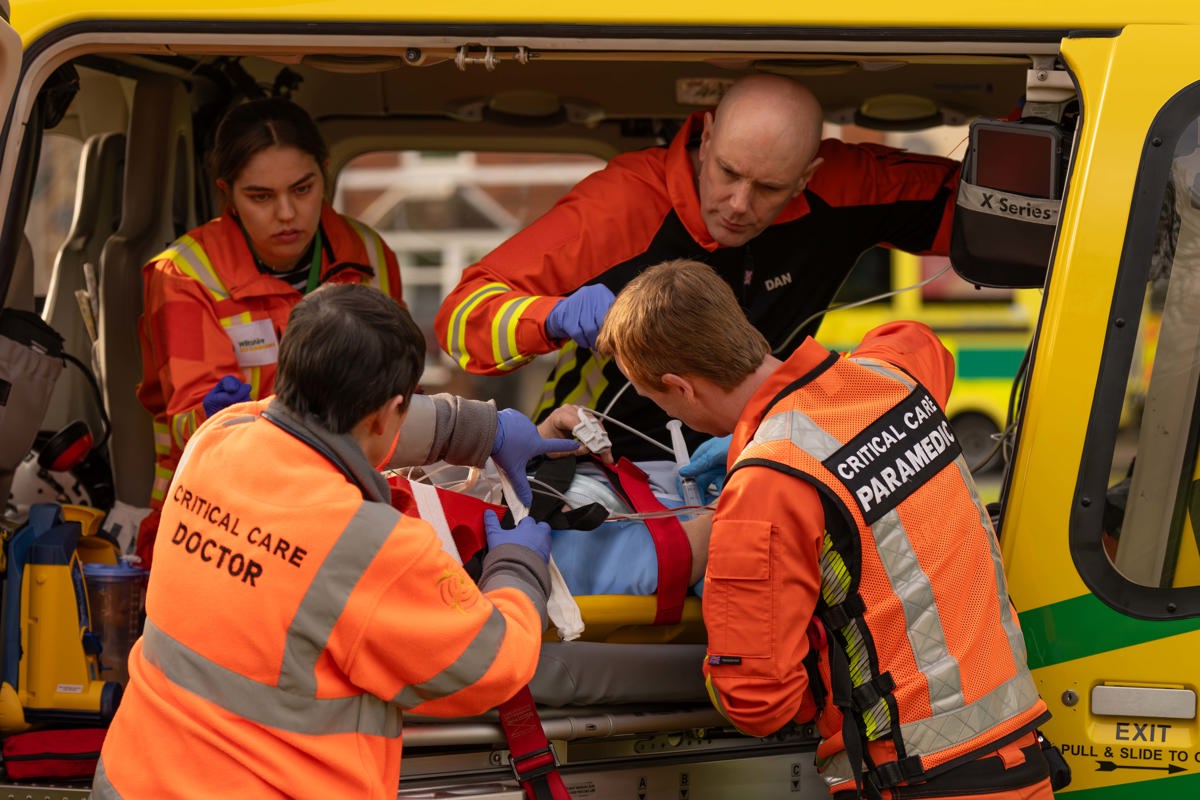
<point>217,300</point>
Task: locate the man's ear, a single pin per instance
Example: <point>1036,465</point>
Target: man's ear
<point>706,133</point>
<point>679,384</point>
<point>809,171</point>
<point>380,418</point>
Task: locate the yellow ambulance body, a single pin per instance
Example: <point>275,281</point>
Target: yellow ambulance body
<point>1100,493</point>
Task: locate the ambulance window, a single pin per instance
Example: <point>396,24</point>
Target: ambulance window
<point>51,206</point>
<point>1150,525</point>
<point>440,212</point>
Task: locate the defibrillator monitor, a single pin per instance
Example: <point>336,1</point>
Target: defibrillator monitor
<point>1009,203</point>
<point>1018,158</point>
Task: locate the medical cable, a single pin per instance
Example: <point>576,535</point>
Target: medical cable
<point>866,300</point>
<point>543,488</point>
<point>617,396</point>
<point>547,489</point>
<point>633,430</point>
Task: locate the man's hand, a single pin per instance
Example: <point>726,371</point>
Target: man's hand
<point>579,315</point>
<point>707,466</point>
<point>518,441</point>
<point>229,390</point>
<point>527,533</point>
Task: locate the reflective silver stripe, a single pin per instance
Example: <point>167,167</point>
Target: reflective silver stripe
<point>1006,701</point>
<point>101,788</point>
<point>323,603</point>
<point>921,618</point>
<point>930,735</point>
<point>836,770</point>
<point>267,705</point>
<point>472,665</point>
<point>796,427</point>
<point>887,371</point>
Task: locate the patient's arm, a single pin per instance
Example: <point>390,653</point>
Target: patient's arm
<point>559,425</point>
<point>698,529</point>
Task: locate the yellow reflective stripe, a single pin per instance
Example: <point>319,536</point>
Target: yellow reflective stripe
<point>237,319</point>
<point>458,321</point>
<point>715,697</point>
<point>376,258</point>
<point>564,364</point>
<point>187,254</point>
<point>504,333</point>
<point>835,588</point>
<point>162,479</point>
<point>254,378</point>
<point>162,438</point>
<point>182,427</point>
<point>592,382</point>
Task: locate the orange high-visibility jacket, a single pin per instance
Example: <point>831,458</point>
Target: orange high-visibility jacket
<point>848,499</point>
<point>293,615</point>
<point>209,312</point>
<point>642,209</point>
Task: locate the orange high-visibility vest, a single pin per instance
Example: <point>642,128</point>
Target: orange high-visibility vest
<point>293,615</point>
<point>932,661</point>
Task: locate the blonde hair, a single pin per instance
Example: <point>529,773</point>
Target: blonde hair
<point>681,317</point>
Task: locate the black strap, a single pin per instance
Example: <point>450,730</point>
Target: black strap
<point>868,694</point>
<point>839,616</point>
<point>557,473</point>
<point>852,738</point>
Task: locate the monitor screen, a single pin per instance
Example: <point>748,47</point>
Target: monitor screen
<point>1015,158</point>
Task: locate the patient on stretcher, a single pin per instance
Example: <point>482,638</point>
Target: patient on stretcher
<point>617,556</point>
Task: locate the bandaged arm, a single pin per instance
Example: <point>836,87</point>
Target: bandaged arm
<point>446,427</point>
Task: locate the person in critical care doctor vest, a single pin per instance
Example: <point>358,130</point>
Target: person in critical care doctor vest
<point>853,574</point>
<point>293,614</point>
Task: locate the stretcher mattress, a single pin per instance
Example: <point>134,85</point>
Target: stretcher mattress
<point>604,673</point>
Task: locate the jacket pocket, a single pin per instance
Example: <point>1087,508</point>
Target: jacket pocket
<point>739,606</point>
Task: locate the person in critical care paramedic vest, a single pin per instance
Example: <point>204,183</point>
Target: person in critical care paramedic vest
<point>849,531</point>
<point>217,299</point>
<point>293,614</point>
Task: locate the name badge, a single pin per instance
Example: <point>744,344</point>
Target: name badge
<point>254,343</point>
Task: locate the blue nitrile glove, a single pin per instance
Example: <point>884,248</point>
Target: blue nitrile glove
<point>527,533</point>
<point>229,390</point>
<point>517,441</point>
<point>707,466</point>
<point>579,315</point>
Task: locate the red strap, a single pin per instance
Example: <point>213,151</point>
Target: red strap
<point>532,758</point>
<point>464,514</point>
<point>670,542</point>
